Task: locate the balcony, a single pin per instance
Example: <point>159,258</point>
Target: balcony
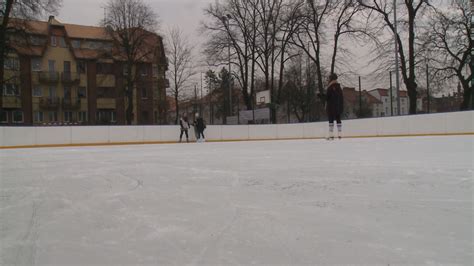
<point>48,76</point>
<point>11,101</point>
<point>104,80</point>
<point>106,103</point>
<point>49,103</point>
<point>71,103</point>
<point>70,78</point>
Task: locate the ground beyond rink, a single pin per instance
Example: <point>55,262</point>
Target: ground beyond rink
<point>355,201</point>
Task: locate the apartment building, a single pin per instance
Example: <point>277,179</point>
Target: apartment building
<point>61,74</point>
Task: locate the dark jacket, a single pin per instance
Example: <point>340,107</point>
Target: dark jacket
<point>199,123</point>
<point>334,99</point>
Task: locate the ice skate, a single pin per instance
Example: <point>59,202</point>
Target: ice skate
<point>331,132</point>
<point>339,131</point>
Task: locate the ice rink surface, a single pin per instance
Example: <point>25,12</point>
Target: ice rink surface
<point>355,201</point>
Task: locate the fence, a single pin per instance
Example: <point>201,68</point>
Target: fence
<point>428,124</point>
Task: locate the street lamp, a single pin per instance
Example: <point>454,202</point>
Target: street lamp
<point>225,20</point>
<point>397,74</point>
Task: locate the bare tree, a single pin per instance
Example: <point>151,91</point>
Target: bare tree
<point>234,24</point>
<point>180,60</point>
<point>290,19</point>
<point>131,24</point>
<point>450,46</point>
<point>347,23</point>
<point>408,57</point>
<point>24,10</point>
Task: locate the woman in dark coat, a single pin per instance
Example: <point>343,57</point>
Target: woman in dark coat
<point>200,126</point>
<point>334,105</point>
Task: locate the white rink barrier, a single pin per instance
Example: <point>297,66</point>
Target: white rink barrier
<point>427,124</point>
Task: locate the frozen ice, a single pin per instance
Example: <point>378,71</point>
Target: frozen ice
<point>352,201</point>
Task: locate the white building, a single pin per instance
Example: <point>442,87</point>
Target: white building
<point>383,95</point>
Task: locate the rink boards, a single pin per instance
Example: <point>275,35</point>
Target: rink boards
<point>457,123</point>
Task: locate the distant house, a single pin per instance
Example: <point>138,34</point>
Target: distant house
<point>371,106</point>
<point>389,105</point>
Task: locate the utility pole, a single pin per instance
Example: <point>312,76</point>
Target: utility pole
<point>427,90</point>
<point>391,95</point>
<point>360,98</point>
<point>200,99</point>
<point>397,74</point>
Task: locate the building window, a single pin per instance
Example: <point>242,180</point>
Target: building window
<point>53,41</point>
<point>143,70</point>
<point>82,117</point>
<point>144,93</point>
<point>53,116</point>
<point>52,92</point>
<point>82,92</point>
<point>11,63</point>
<point>145,117</point>
<point>36,64</point>
<point>11,89</point>
<point>156,70</point>
<point>125,70</point>
<point>106,116</point>
<point>62,42</point>
<point>67,93</point>
<point>51,65</point>
<point>17,117</point>
<point>76,44</point>
<point>3,116</point>
<point>36,40</point>
<point>37,92</point>
<point>38,116</point>
<point>67,116</point>
<point>81,67</point>
<point>104,68</point>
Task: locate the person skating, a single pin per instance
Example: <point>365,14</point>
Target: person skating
<point>334,105</point>
<point>200,126</point>
<point>184,123</point>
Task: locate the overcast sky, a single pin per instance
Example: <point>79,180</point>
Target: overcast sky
<point>187,14</point>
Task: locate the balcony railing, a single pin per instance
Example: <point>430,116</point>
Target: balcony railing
<point>11,101</point>
<point>71,103</point>
<point>48,76</point>
<point>50,103</point>
<point>70,78</point>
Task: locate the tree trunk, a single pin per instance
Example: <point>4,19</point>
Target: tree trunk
<point>412,95</point>
<point>467,95</point>
<point>177,106</point>
<point>129,112</point>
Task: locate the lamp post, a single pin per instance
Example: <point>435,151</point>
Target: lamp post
<point>225,20</point>
<point>397,74</point>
